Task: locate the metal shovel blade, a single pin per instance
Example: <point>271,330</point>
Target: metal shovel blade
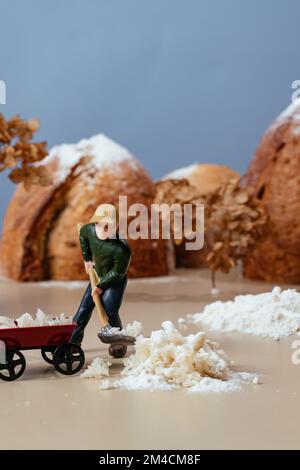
<point>108,336</point>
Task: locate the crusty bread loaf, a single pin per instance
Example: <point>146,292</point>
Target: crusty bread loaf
<point>206,178</point>
<point>40,239</point>
<point>274,172</point>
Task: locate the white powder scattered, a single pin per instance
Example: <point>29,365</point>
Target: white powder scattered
<point>160,280</point>
<point>167,360</point>
<point>101,149</point>
<point>133,329</point>
<point>6,322</point>
<point>105,384</point>
<point>41,319</point>
<point>234,383</point>
<point>274,314</point>
<point>144,382</point>
<point>97,369</point>
<point>181,173</point>
<point>70,285</point>
<point>182,323</point>
<point>215,292</point>
<point>207,384</point>
<point>25,320</point>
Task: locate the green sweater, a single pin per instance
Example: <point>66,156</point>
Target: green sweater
<point>111,256</point>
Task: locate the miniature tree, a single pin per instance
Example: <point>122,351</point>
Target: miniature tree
<point>19,154</point>
<point>236,222</point>
<point>177,191</point>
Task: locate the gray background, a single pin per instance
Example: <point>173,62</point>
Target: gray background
<point>175,81</point>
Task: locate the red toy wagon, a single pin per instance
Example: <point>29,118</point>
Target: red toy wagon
<point>52,340</point>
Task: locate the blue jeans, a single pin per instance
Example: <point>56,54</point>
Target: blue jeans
<point>111,300</point>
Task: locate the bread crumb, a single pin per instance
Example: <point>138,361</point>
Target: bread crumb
<point>133,329</point>
<point>6,322</point>
<point>97,369</point>
<point>41,319</point>
<point>215,292</point>
<point>167,360</point>
<point>106,384</point>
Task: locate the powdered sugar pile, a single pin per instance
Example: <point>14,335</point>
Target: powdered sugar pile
<point>70,285</point>
<point>101,149</point>
<point>274,314</point>
<point>290,114</point>
<point>97,369</point>
<point>133,329</point>
<point>167,360</point>
<point>6,322</point>
<point>41,319</point>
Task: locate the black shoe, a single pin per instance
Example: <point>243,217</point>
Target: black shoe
<point>108,336</point>
<point>117,350</point>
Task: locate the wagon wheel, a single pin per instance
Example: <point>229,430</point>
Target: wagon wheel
<point>47,353</point>
<point>68,359</point>
<point>14,366</point>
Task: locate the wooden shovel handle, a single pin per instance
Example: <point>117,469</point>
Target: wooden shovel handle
<point>99,307</point>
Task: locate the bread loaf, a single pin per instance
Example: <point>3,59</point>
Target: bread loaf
<point>274,172</point>
<point>40,239</point>
<point>206,178</point>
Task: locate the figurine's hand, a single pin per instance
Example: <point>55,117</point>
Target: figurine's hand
<point>88,265</point>
<point>96,291</point>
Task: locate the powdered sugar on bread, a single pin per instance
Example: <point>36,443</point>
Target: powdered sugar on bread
<point>102,150</point>
<point>184,172</point>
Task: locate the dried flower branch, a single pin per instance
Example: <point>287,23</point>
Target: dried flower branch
<point>236,222</point>
<point>19,154</point>
<point>177,191</point>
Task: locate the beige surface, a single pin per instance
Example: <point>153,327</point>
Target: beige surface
<point>44,409</point>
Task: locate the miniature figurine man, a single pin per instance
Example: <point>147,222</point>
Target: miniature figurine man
<point>110,256</point>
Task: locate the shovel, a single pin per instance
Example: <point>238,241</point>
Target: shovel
<point>107,334</point>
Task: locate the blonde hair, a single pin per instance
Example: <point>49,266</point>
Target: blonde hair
<point>107,213</point>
